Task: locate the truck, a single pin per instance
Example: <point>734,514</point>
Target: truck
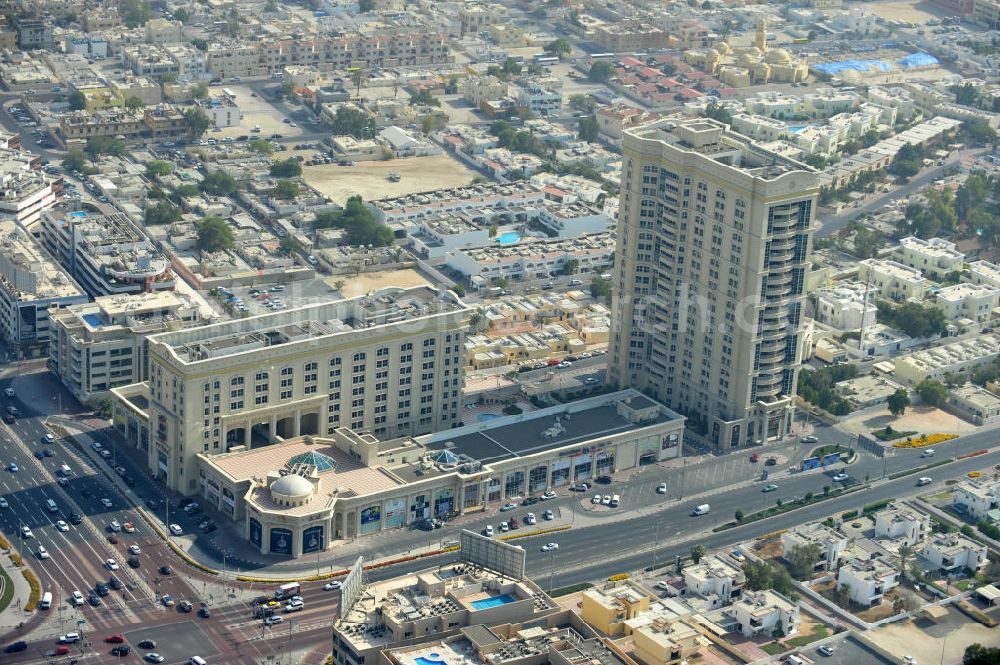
<point>288,590</point>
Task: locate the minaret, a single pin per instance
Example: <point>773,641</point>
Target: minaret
<point>760,40</point>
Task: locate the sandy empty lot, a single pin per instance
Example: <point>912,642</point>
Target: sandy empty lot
<point>256,111</point>
<point>365,282</point>
<point>369,179</point>
<point>912,10</point>
<point>953,632</point>
<point>922,418</point>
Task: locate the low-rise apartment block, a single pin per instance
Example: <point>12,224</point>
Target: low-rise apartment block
<point>540,98</point>
<point>761,614</point>
<point>847,305</point>
<point>31,284</point>
<point>608,607</point>
<point>974,403</point>
<point>717,580</point>
<point>936,257</point>
<point>485,198</point>
<point>533,259</point>
<point>902,524</point>
<point>867,580</point>
<point>222,110</point>
<point>968,302</point>
<point>24,191</point>
<point>106,254</point>
<point>978,498</point>
<point>832,544</point>
<point>478,90</point>
<point>97,346</point>
<point>985,272</point>
<point>893,279</point>
<point>953,553</point>
<point>957,358</point>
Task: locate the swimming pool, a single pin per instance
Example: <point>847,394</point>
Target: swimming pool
<point>420,660</point>
<point>508,238</point>
<point>483,417</point>
<point>495,601</point>
<point>795,129</point>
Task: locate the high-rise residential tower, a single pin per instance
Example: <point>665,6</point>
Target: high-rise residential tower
<point>711,262</point>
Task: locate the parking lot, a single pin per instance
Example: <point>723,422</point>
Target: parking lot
<point>848,652</point>
<point>256,298</point>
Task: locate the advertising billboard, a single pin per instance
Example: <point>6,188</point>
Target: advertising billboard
<point>495,555</point>
<point>352,586</point>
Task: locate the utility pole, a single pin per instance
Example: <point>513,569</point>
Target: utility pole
<point>656,542</point>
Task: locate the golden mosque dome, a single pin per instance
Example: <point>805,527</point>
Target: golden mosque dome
<point>723,48</point>
<point>778,56</point>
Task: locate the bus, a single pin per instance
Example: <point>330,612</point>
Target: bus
<point>800,40</point>
<point>288,590</point>
<point>601,56</point>
<point>546,60</point>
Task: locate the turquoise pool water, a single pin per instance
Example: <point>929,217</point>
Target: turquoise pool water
<point>483,417</point>
<point>795,129</point>
<point>509,238</point>
<point>420,660</point>
<point>78,213</point>
<point>495,601</point>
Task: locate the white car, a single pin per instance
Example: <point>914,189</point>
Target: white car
<point>549,495</point>
<point>606,500</point>
<point>9,392</point>
<point>3,503</point>
<point>42,552</point>
<point>841,477</point>
<point>548,515</point>
<point>105,453</point>
<point>507,506</point>
<point>488,531</point>
<point>49,437</point>
<point>504,527</point>
<point>826,650</point>
<point>597,499</point>
<point>661,488</point>
<point>927,453</point>
<point>909,660</point>
<point>115,526</point>
<point>62,526</point>
<point>295,606</point>
<point>809,439</point>
<point>107,503</point>
<point>77,598</point>
<point>331,586</point>
<point>663,585</point>
<point>26,532</point>
<point>550,547</point>
<point>176,529</point>
<point>111,564</point>
<point>69,638</point>
<point>134,549</point>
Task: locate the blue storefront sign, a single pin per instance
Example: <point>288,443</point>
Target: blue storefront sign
<point>256,532</point>
<point>810,463</point>
<point>312,539</point>
<point>281,541</point>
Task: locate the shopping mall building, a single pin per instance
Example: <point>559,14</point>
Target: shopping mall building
<point>307,493</point>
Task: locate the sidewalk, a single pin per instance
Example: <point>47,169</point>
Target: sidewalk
<point>14,622</point>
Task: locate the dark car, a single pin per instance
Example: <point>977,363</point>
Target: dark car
<point>9,419</point>
<point>121,650</point>
<point>604,480</point>
<point>166,570</point>
<point>115,583</point>
<point>530,501</point>
<point>204,613</point>
<point>209,529</point>
<point>40,454</point>
<point>771,461</point>
<point>186,501</point>
<point>113,539</point>
<point>424,525</point>
<point>93,599</point>
<point>133,562</point>
<point>101,588</point>
<point>16,646</point>
<point>75,518</point>
<point>146,644</point>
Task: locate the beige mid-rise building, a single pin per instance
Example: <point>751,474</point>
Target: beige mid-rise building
<point>389,363</point>
<point>711,263</point>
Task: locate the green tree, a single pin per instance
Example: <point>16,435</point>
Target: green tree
<point>802,560</point>
<point>570,266</point>
<point>197,122</point>
<point>104,145</point>
<point>914,319</point>
<point>601,71</point>
<point>214,234</point>
<point>559,48</point>
<point>161,212</point>
<point>270,7</point>
<point>135,13</point>
<point>200,44</point>
<point>977,654</point>
<point>697,552</point>
<point>716,112</point>
<point>157,167</point>
<point>182,14</point>
<point>600,288</point>
<point>459,290</point>
<point>365,6</point>
<point>588,128</point>
<point>285,190</point>
<point>932,392</point>
<point>582,103</point>
<point>133,103</point>
<point>424,98</point>
<point>427,124</point>
<point>966,94</point>
<point>758,575</point>
<point>451,87</point>
<point>262,146</point>
<point>844,595</point>
<point>739,515</point>
<point>898,401</point>
<point>359,223</point>
<point>102,408</point>
<point>198,91</point>
<point>77,101</point>
<point>977,132</point>
<point>354,122</point>
<point>287,168</point>
<point>904,552</point>
<point>289,246</point>
<point>288,88</point>
<point>218,183</point>
<point>907,161</point>
<point>185,192</point>
<point>867,242</point>
<point>75,160</point>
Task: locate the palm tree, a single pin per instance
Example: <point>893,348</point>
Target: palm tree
<point>905,552</point>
